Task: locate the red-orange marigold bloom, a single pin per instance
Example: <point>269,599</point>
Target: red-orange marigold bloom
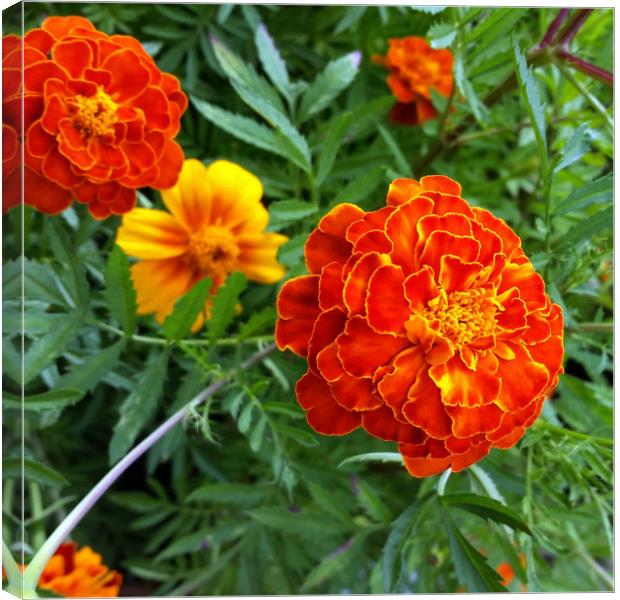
<point>424,323</point>
<point>416,68</point>
<point>99,118</point>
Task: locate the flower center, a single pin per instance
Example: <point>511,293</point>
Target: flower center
<point>94,115</point>
<point>462,316</point>
<point>213,251</point>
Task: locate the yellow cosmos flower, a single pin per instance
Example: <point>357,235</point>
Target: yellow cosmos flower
<point>216,225</point>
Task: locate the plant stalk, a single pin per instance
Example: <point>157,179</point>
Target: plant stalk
<point>36,566</point>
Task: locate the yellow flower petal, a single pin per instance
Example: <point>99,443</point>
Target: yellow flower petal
<point>151,234</point>
<point>236,197</point>
<point>159,284</point>
<point>190,200</point>
<point>258,258</point>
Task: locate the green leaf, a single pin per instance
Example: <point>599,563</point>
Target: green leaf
<point>574,149</point>
<point>225,305</point>
<point>66,254</point>
<point>285,212</point>
<point>272,62</point>
<point>305,524</point>
<point>402,528</point>
<point>487,508</point>
<point>372,503</point>
<point>531,98</point>
<point>52,400</point>
<point>441,35</point>
<point>593,192</point>
<point>247,130</point>
<point>47,348</point>
<point>40,283</point>
<point>401,162</point>
<point>335,78</point>
<point>300,436</point>
<point>362,187</point>
<point>328,502</point>
<point>242,73</point>
<point>477,107</point>
<point>33,471</point>
<point>119,291</point>
<point>139,406</point>
<point>352,15</point>
<point>586,229</point>
<point>178,324</point>
<point>334,563</point>
<point>257,434</point>
<point>260,320</point>
<point>472,569</point>
<point>241,494</point>
<point>245,418</point>
<point>384,457</point>
<point>329,148</point>
<point>431,10</point>
<point>85,375</point>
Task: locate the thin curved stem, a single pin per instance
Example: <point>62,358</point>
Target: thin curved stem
<point>573,26</point>
<point>36,566</point>
<point>443,481</point>
<point>13,574</point>
<point>553,28</point>
<point>157,341</point>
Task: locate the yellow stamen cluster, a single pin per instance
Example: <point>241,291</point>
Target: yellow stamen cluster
<point>94,115</point>
<point>463,316</point>
<point>213,251</point>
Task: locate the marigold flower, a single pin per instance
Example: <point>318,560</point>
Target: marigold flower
<point>416,68</point>
<point>76,573</point>
<point>424,323</point>
<point>216,225</point>
<point>99,118</point>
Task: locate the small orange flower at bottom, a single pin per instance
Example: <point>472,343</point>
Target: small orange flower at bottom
<point>76,573</point>
<point>424,323</point>
<point>216,225</point>
<point>416,68</point>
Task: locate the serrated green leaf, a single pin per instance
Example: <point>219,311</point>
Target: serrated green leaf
<point>372,503</point>
<point>334,563</point>
<point>305,524</point>
<point>258,433</point>
<point>335,78</point>
<point>260,320</point>
<point>272,62</point>
<point>477,107</point>
<point>242,128</point>
<point>245,418</point>
<point>40,283</point>
<point>487,508</point>
<point>51,400</point>
<point>240,494</point>
<point>85,375</point>
<point>587,228</point>
<point>401,529</point>
<point>531,98</point>
<point>593,192</point>
<point>139,406</point>
<point>472,569</point>
<point>329,148</point>
<point>33,471</point>
<point>441,35</point>
<point>47,348</point>
<point>285,212</point>
<point>384,457</point>
<point>224,305</point>
<point>119,292</point>
<point>77,284</point>
<point>574,149</point>
<point>178,324</point>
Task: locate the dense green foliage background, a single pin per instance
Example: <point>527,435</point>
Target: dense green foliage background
<point>245,498</point>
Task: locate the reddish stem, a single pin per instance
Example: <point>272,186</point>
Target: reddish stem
<point>585,67</point>
<point>553,28</point>
<point>574,25</point>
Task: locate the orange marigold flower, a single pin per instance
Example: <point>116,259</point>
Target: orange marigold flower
<point>424,323</point>
<point>416,68</point>
<point>216,225</point>
<point>76,573</point>
<point>99,118</point>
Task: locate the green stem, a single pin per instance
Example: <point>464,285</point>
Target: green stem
<point>13,574</point>
<point>156,341</point>
<point>36,505</point>
<point>583,90</point>
<point>540,424</point>
<point>605,327</point>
